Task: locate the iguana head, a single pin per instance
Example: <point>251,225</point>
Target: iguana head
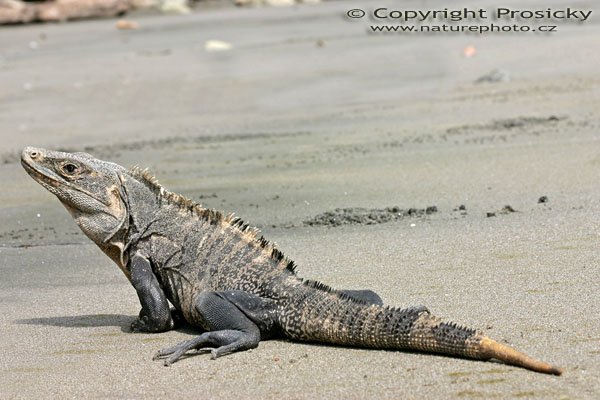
<point>90,189</point>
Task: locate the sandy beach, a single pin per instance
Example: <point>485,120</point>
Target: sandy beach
<point>323,135</point>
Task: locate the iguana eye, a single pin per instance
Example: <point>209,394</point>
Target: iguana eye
<point>69,168</point>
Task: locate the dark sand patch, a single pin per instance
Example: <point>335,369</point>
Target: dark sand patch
<point>366,216</point>
<point>509,124</point>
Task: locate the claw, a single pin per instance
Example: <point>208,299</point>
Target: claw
<point>174,358</point>
<point>170,355</point>
<point>227,341</point>
<point>162,353</point>
<point>173,354</point>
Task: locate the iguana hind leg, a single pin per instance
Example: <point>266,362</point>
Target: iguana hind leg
<point>229,317</point>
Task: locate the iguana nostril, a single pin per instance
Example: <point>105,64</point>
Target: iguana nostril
<point>33,154</point>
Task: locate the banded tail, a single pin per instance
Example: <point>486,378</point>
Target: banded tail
<point>330,317</point>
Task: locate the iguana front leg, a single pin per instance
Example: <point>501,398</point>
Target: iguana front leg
<point>155,315</point>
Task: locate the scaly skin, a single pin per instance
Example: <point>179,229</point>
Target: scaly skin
<point>224,278</point>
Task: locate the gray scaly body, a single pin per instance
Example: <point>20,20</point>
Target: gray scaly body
<point>224,278</point>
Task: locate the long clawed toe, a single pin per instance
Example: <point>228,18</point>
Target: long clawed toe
<point>173,354</point>
<point>219,343</point>
<point>173,358</point>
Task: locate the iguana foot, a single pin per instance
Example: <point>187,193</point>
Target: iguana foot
<point>143,324</point>
<point>219,343</point>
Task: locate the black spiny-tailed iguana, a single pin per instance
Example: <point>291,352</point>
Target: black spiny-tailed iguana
<point>224,278</point>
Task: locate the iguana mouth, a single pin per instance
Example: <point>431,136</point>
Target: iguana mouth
<point>40,176</point>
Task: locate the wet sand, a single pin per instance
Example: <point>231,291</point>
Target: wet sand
<point>306,115</point>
